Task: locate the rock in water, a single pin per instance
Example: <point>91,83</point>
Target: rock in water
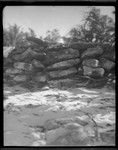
<point>52,135</point>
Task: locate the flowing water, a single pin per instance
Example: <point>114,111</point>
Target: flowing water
<point>32,118</point>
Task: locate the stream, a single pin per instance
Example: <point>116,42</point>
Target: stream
<point>51,116</point>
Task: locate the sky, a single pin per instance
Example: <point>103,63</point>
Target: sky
<point>43,18</point>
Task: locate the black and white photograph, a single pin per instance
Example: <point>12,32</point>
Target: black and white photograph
<point>30,1</point>
<point>59,76</point>
<point>57,148</point>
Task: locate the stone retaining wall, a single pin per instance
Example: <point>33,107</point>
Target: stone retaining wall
<point>37,65</point>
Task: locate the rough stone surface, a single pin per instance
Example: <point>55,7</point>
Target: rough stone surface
<point>12,71</point>
<point>59,62</point>
<point>94,72</point>
<point>92,52</point>
<point>109,55</point>
<point>20,65</point>
<point>107,64</point>
<point>20,78</point>
<point>40,77</point>
<point>61,55</point>
<point>67,63</point>
<point>52,135</point>
<point>51,125</point>
<point>59,73</point>
<point>37,64</point>
<point>91,62</point>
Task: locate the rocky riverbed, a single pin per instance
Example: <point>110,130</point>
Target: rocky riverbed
<point>51,116</point>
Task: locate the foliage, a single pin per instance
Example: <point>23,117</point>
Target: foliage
<point>15,37</point>
<point>31,33</point>
<point>96,28</point>
<point>52,37</point>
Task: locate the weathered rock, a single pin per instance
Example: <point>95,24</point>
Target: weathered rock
<point>96,83</point>
<point>91,62</point>
<point>92,52</point>
<point>93,72</point>
<point>61,55</point>
<point>13,71</point>
<point>62,73</point>
<point>52,135</point>
<point>82,45</point>
<point>19,65</point>
<point>37,64</point>
<point>70,134</point>
<point>7,62</point>
<point>67,63</point>
<point>20,78</point>
<point>23,66</point>
<point>28,54</point>
<point>107,64</point>
<point>51,125</point>
<point>40,77</point>
<point>109,54</point>
<point>72,126</point>
<point>60,82</point>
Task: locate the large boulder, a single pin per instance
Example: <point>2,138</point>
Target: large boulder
<point>92,52</point>
<point>12,71</point>
<point>71,134</point>
<point>62,73</point>
<point>19,65</point>
<point>91,62</point>
<point>67,63</point>
<point>20,78</point>
<point>67,54</point>
<point>93,72</point>
<point>109,55</point>
<point>96,83</point>
<point>23,66</point>
<point>40,77</point>
<point>37,64</point>
<point>61,55</point>
<point>107,64</point>
<point>81,46</point>
<point>52,135</point>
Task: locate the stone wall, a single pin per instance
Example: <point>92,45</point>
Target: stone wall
<point>36,65</point>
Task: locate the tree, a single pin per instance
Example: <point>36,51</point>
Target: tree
<point>32,33</point>
<point>52,37</point>
<point>96,28</point>
<point>13,36</point>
